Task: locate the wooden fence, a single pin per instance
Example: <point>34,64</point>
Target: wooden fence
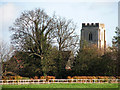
<point>45,81</point>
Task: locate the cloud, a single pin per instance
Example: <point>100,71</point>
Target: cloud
<point>8,12</point>
<point>7,16</point>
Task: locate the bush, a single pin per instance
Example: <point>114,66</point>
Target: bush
<point>12,77</point>
<point>69,77</point>
<point>92,77</point>
<point>47,77</point>
<point>36,77</point>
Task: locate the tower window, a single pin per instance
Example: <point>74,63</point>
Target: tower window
<point>90,36</point>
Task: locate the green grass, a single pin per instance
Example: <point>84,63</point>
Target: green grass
<point>66,85</point>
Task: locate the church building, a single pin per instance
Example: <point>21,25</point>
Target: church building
<point>93,33</point>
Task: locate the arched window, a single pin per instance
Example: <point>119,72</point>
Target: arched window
<point>90,36</point>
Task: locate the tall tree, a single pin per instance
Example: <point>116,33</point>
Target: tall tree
<point>32,32</point>
<point>116,44</point>
<point>116,39</point>
<point>67,40</point>
<point>65,34</point>
<point>6,51</point>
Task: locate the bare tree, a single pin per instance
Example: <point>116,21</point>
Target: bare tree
<point>33,32</point>
<point>65,34</point>
<point>6,51</point>
<point>67,41</point>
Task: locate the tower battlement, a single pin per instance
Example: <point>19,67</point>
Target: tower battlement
<point>93,33</point>
<point>92,25</point>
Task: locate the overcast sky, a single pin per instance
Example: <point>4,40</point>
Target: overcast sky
<point>90,11</point>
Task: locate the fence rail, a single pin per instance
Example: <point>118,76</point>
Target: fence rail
<point>43,81</point>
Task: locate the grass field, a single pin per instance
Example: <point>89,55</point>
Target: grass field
<point>62,85</point>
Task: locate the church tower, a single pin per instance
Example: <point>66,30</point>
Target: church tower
<point>93,33</point>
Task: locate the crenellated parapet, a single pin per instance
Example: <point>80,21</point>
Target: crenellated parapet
<point>93,33</point>
<point>92,25</point>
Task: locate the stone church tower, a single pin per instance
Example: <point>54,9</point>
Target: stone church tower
<point>93,33</point>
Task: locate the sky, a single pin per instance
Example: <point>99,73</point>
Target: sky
<point>80,11</point>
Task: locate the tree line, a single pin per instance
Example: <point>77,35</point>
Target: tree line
<point>49,46</point>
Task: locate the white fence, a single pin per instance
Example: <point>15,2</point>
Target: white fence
<point>43,81</point>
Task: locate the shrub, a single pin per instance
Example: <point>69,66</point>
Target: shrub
<point>47,77</point>
<point>92,77</point>
<point>36,77</point>
<point>69,77</point>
